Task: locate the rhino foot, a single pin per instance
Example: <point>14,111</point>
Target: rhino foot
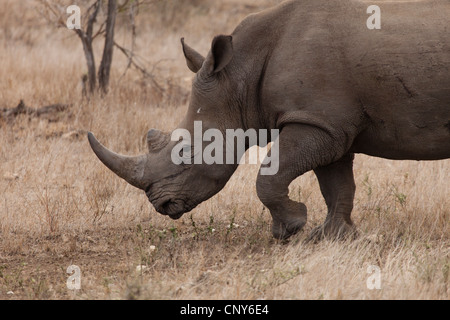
<point>283,230</point>
<point>333,230</point>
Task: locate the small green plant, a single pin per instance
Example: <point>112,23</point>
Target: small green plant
<point>210,225</point>
<point>399,196</point>
<point>194,226</point>
<point>173,231</point>
<point>231,225</point>
<point>368,185</point>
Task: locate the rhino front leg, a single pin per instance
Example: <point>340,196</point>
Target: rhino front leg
<point>301,148</point>
<point>338,188</point>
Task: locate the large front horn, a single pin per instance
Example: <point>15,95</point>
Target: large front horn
<point>131,169</point>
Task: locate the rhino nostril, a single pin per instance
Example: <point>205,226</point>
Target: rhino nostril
<point>164,207</point>
<point>167,206</point>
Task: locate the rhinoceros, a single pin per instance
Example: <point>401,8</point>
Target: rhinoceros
<point>332,86</point>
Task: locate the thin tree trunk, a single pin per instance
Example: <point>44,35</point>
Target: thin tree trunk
<point>90,62</point>
<point>86,40</point>
<point>105,65</point>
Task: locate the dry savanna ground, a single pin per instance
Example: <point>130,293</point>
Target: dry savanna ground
<point>59,206</point>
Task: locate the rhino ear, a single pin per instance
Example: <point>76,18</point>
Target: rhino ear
<point>194,59</point>
<point>220,55</point>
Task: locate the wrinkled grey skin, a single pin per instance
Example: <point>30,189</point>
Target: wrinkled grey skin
<point>334,88</point>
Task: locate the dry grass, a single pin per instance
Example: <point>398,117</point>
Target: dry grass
<point>60,206</point>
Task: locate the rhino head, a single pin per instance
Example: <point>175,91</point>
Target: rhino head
<point>174,189</point>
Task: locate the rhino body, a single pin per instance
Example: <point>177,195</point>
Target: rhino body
<point>313,70</point>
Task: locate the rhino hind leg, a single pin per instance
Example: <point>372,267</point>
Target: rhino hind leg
<point>301,148</point>
<point>337,185</point>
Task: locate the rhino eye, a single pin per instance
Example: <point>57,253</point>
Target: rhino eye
<point>186,152</point>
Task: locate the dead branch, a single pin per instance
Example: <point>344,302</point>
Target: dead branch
<point>144,71</point>
<point>21,108</point>
<point>92,80</point>
<point>131,14</point>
